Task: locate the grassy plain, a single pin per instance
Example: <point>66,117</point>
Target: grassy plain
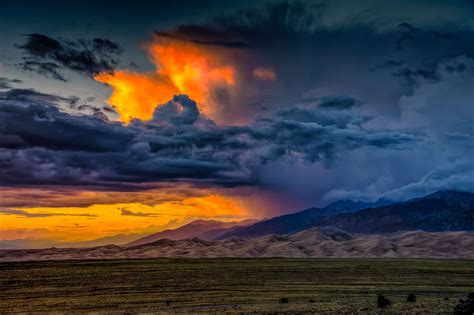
<point>234,285</point>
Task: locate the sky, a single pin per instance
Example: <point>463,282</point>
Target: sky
<point>135,117</point>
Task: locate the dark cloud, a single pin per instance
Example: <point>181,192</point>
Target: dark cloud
<point>181,111</point>
<point>49,56</point>
<point>49,69</point>
<point>411,77</point>
<point>408,34</point>
<point>5,83</point>
<point>43,126</point>
<point>443,35</point>
<point>409,27</point>
<point>339,103</point>
<point>203,35</point>
<point>127,212</point>
<point>72,104</point>
<point>29,95</point>
<point>42,145</point>
<point>27,214</point>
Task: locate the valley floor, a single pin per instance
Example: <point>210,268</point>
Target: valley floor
<point>234,285</point>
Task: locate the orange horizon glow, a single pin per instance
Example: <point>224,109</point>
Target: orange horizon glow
<point>182,67</point>
<point>108,220</point>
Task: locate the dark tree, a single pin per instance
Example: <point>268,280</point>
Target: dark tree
<point>411,298</point>
<point>465,306</point>
<point>284,300</point>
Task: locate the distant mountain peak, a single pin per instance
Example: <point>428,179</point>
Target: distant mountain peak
<point>204,229</point>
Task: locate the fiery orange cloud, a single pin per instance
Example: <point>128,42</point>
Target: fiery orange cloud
<point>181,67</point>
<point>136,95</point>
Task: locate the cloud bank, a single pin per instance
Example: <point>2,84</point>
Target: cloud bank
<point>324,101</point>
<point>42,145</point>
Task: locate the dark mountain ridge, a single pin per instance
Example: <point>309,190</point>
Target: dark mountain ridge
<point>441,211</point>
<point>444,210</point>
<point>298,221</point>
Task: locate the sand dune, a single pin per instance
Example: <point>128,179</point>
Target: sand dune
<point>315,242</point>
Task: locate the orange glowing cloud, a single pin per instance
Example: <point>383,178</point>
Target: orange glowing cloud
<point>136,95</point>
<point>182,67</point>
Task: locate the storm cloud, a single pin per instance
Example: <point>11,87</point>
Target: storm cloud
<point>366,100</point>
<point>50,57</point>
<point>42,145</point>
<point>316,48</point>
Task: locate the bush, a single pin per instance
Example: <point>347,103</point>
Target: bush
<point>465,306</point>
<point>284,300</point>
<point>382,302</point>
<point>411,298</point>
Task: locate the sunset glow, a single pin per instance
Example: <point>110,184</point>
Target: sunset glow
<point>99,220</point>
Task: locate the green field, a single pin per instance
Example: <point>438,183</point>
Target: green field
<point>234,285</point>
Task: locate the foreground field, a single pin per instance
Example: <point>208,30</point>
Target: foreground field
<point>234,285</point>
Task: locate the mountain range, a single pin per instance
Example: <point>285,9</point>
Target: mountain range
<point>440,211</point>
<point>294,222</point>
<point>429,226</point>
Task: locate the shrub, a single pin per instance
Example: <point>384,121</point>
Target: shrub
<point>382,302</point>
<point>284,300</point>
<point>465,306</point>
<point>411,298</point>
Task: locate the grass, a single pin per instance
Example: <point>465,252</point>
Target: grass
<point>234,285</point>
